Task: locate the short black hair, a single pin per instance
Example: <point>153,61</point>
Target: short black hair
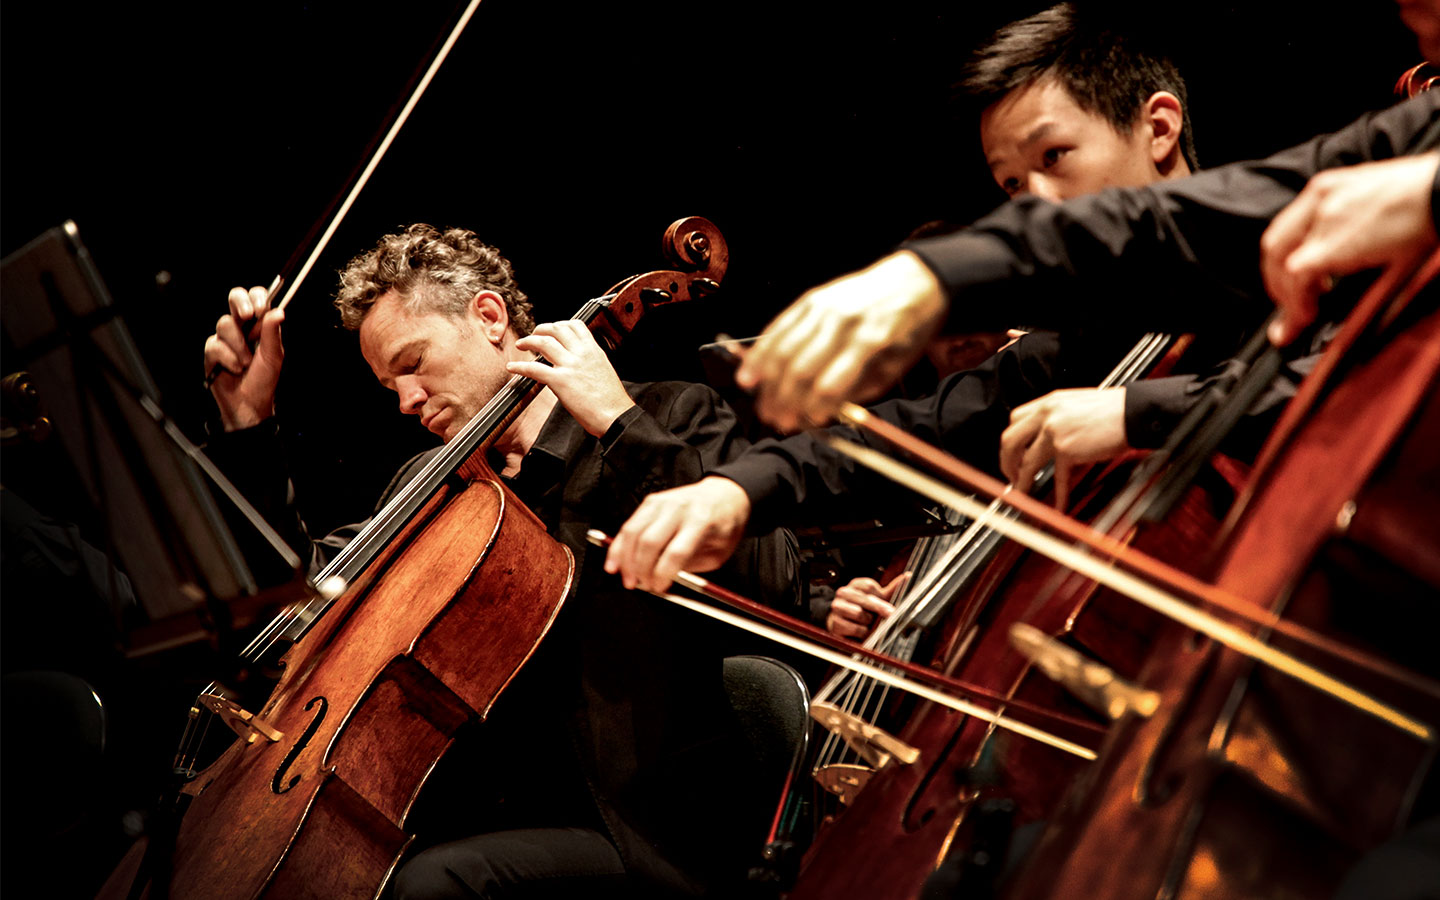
<point>1106,71</point>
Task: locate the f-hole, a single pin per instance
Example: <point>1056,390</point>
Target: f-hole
<point>310,729</point>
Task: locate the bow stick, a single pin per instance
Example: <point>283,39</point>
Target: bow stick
<point>362,179</point>
<point>1130,585</point>
<point>1149,566</point>
<point>820,647</point>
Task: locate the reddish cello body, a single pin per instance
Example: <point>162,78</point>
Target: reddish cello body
<point>440,617</point>
<point>1246,783</point>
<point>369,702</point>
<point>909,818</point>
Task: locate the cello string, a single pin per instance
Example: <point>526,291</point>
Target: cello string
<point>840,659</point>
<point>907,639</point>
<point>863,697</point>
<point>1142,591</point>
<point>859,694</point>
<point>378,532</point>
<point>974,544</point>
<point>888,632</point>
<point>1138,359</point>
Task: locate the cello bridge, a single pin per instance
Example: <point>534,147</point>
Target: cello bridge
<point>241,721</point>
<point>875,745</point>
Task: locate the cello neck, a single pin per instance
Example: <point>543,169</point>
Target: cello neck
<point>470,443</point>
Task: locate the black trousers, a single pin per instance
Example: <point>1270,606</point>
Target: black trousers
<point>525,864</point>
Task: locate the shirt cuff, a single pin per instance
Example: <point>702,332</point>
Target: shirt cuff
<point>962,260</point>
<point>643,456</point>
<point>617,428</point>
<point>759,476</point>
<point>1153,407</point>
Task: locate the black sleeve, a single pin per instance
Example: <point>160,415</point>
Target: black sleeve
<point>1174,256</point>
<point>253,459</point>
<point>800,480</point>
<point>675,435</point>
<point>671,437</point>
<point>1154,406</point>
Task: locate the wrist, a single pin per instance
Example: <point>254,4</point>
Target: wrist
<point>733,498</point>
<point>244,417</point>
<point>607,424</point>
<point>609,428</point>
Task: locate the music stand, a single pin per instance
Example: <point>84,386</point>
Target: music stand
<point>162,523</point>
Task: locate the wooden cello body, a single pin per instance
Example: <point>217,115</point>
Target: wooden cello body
<point>455,584</point>
<point>370,700</point>
<point>1246,783</point>
<point>913,817</point>
<point>909,819</point>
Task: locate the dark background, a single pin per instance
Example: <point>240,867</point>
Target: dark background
<point>203,140</point>
<point>816,135</point>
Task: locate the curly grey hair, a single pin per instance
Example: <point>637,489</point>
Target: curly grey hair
<point>433,271</point>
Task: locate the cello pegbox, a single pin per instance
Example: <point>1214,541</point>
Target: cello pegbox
<point>700,255</point>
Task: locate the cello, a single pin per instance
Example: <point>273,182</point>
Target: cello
<point>1228,782</point>
<point>918,815</point>
<point>446,595</point>
<point>1238,767</point>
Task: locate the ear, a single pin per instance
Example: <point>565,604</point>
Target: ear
<point>489,313</point>
<point>1166,118</point>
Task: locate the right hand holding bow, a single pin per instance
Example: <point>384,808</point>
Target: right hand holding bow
<point>244,388</point>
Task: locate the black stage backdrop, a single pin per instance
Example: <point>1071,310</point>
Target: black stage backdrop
<point>816,135</point>
<point>195,144</point>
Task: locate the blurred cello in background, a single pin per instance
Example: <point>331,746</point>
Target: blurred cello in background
<point>1245,783</point>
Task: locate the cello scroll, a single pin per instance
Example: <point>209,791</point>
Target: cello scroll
<point>700,255</point>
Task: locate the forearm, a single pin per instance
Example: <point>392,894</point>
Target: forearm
<point>1104,258</point>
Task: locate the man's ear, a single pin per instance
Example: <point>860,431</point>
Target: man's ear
<point>1166,118</point>
<point>491,315</point>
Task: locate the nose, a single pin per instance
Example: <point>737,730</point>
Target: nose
<point>412,395</point>
<point>1045,188</point>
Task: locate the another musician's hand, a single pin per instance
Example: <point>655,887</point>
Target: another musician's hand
<point>850,339</point>
<point>860,605</point>
<point>1070,427</point>
<point>1345,220</point>
<point>579,373</point>
<point>244,390</point>
<point>695,528</point>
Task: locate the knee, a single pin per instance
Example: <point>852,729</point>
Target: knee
<point>439,874</point>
